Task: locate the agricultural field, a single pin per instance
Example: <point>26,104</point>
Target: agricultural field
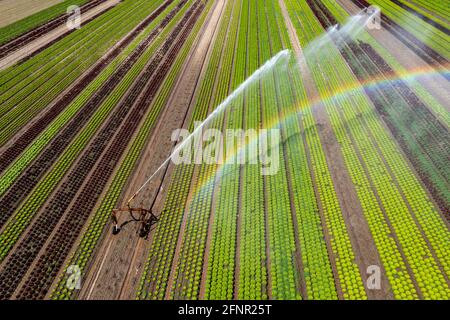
<point>225,150</point>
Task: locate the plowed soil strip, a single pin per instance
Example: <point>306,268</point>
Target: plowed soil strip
<point>19,145</point>
<point>34,173</point>
<point>129,112</point>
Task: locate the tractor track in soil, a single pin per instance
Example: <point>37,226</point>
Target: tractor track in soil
<point>32,175</point>
<point>22,140</point>
<point>126,270</point>
<point>123,122</point>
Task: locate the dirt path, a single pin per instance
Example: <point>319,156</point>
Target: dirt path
<point>35,45</point>
<point>436,85</point>
<point>366,253</point>
<point>14,10</point>
<point>120,260</point>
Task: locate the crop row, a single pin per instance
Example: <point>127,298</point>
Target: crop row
<point>429,35</point>
<point>39,31</point>
<point>97,224</point>
<point>188,271</point>
<point>316,271</point>
<point>434,6</point>
<point>154,280</point>
<point>444,116</point>
<point>76,216</point>
<point>423,94</point>
<point>375,179</point>
<point>252,281</point>
<point>253,251</point>
<point>280,232</point>
<point>347,274</point>
<point>22,26</point>
<point>411,122</point>
<point>219,278</point>
<point>431,149</point>
<point>265,238</point>
<point>424,15</point>
<point>58,66</point>
<point>262,230</point>
<point>398,192</point>
<point>70,154</point>
<point>428,54</point>
<point>69,104</point>
<point>20,188</point>
<point>100,154</point>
